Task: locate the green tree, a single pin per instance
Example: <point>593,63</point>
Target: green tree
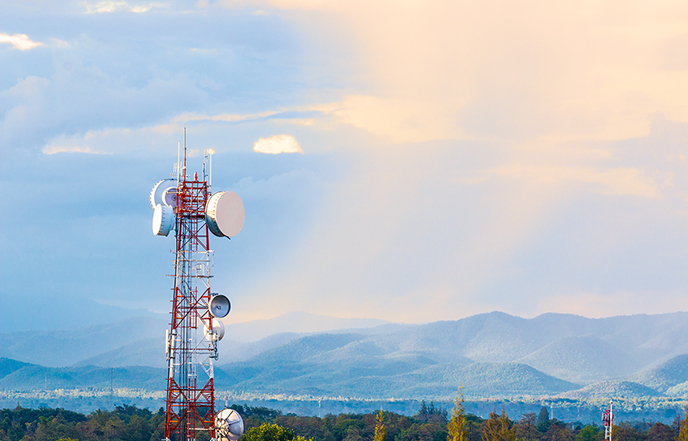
<point>543,420</point>
<point>590,433</point>
<point>457,429</point>
<point>271,432</point>
<point>380,429</point>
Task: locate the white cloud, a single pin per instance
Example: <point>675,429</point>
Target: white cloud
<point>277,144</point>
<point>19,41</point>
<point>110,6</point>
<point>72,144</point>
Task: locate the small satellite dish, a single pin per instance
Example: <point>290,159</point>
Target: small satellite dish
<point>228,425</point>
<point>219,306</point>
<point>156,196</point>
<point>225,214</point>
<point>163,219</point>
<point>218,329</point>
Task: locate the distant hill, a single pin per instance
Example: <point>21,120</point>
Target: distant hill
<point>665,376</point>
<point>584,359</point>
<point>613,389</point>
<point>350,365</point>
<point>495,354</point>
<point>64,348</point>
<point>34,377</point>
<point>7,366</point>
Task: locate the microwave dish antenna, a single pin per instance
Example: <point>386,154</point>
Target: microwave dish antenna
<point>229,425</point>
<point>219,306</point>
<point>163,220</point>
<point>225,214</point>
<point>218,330</point>
<point>159,194</point>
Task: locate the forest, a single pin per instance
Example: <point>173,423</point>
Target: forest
<point>430,423</point>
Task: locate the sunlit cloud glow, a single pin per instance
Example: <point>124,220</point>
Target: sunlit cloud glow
<point>19,41</point>
<point>277,144</point>
<point>118,6</point>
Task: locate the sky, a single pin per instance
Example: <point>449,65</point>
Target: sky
<point>406,160</point>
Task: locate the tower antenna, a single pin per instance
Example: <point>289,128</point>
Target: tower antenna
<point>184,154</point>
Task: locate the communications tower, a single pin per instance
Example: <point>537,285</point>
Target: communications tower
<point>185,205</point>
<point>608,422</point>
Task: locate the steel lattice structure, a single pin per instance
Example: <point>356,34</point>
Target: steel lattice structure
<point>191,343</point>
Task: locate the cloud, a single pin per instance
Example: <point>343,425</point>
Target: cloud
<point>277,144</point>
<point>116,6</point>
<point>19,41</point>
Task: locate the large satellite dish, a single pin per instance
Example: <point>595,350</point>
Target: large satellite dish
<point>225,214</point>
<point>219,305</point>
<point>228,425</point>
<point>163,219</point>
<point>163,192</point>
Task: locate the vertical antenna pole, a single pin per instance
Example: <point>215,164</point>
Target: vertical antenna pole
<point>205,160</point>
<point>179,166</point>
<point>185,153</point>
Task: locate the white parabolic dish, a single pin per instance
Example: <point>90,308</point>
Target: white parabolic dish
<point>163,219</point>
<point>229,425</point>
<point>218,328</point>
<point>225,214</point>
<point>157,195</point>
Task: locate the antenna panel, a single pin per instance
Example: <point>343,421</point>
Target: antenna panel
<point>163,219</point>
<point>228,425</point>
<point>225,214</point>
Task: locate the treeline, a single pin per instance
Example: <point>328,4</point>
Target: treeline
<point>125,423</point>
<point>431,423</point>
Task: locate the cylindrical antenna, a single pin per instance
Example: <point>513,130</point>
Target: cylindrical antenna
<point>185,153</point>
<point>205,160</point>
<point>179,166</point>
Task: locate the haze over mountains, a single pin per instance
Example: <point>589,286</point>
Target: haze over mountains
<point>492,354</point>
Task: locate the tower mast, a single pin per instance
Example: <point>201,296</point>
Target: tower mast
<point>191,348</point>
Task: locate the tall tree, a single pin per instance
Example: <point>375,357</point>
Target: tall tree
<point>543,420</point>
<point>496,428</point>
<point>380,429</point>
<point>683,428</point>
<point>526,430</point>
<point>457,429</point>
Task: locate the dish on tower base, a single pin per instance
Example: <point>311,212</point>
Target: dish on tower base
<point>228,425</point>
<point>225,214</point>
<point>163,219</point>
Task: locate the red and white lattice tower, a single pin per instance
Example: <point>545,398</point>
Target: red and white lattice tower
<point>608,422</point>
<point>182,205</point>
<point>190,399</point>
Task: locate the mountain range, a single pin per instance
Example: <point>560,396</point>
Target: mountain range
<point>493,354</point>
